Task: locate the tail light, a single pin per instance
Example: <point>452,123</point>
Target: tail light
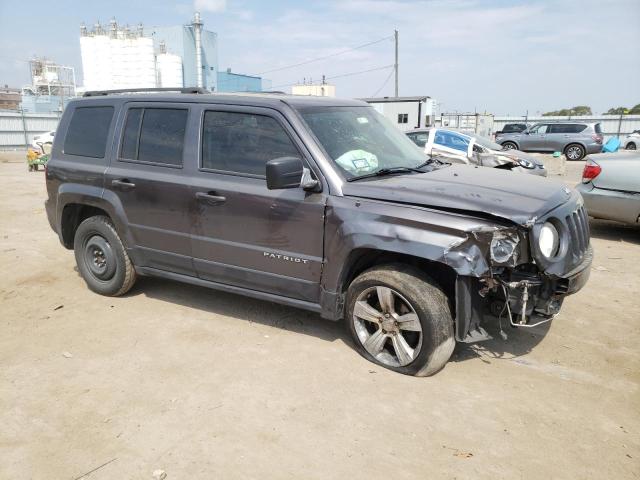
<point>598,138</point>
<point>591,171</point>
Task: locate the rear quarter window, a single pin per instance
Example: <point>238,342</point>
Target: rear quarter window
<point>597,128</point>
<point>88,132</point>
<point>567,128</point>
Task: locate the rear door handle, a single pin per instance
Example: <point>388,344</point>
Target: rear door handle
<point>123,184</point>
<point>210,198</point>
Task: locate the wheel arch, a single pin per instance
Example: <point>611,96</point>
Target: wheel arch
<point>509,140</point>
<point>76,203</point>
<point>73,214</point>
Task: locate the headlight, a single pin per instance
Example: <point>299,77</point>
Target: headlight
<point>525,163</point>
<point>549,240</point>
<point>503,246</point>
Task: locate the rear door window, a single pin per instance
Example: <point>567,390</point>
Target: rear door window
<point>88,131</point>
<point>154,135</point>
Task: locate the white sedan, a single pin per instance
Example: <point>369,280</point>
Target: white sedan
<point>452,146</point>
<point>632,142</point>
<point>42,139</point>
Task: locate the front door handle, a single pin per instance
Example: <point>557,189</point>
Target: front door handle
<point>123,184</point>
<point>210,198</point>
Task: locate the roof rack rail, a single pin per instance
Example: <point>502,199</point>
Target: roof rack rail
<point>100,93</point>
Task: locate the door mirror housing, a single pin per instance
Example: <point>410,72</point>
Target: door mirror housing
<point>289,172</point>
<point>284,172</point>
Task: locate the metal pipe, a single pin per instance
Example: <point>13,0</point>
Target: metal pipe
<point>197,28</point>
<point>395,66</point>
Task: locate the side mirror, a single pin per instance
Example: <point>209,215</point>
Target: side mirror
<point>289,172</point>
<point>284,172</point>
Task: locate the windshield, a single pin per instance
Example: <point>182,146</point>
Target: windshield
<point>486,143</point>
<point>360,140</point>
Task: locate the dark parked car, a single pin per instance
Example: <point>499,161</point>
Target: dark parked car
<point>317,203</point>
<point>512,128</point>
<point>574,139</point>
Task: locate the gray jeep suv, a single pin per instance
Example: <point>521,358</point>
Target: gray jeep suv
<point>574,139</point>
<point>317,203</point>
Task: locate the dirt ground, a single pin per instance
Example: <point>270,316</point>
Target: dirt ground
<point>203,384</point>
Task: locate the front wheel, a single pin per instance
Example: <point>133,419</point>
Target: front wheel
<point>101,257</point>
<point>630,146</point>
<point>509,146</point>
<point>400,319</point>
<point>574,152</point>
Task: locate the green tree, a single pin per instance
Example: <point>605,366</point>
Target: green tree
<point>565,112</point>
<point>617,111</point>
<point>635,110</point>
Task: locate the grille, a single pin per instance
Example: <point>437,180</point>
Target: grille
<point>578,225</point>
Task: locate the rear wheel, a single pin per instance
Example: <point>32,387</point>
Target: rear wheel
<point>509,146</point>
<point>631,146</point>
<point>101,257</point>
<point>574,152</point>
<point>400,319</point>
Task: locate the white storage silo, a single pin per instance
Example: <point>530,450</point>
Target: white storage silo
<point>169,68</point>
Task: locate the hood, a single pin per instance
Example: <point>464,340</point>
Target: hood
<point>518,198</point>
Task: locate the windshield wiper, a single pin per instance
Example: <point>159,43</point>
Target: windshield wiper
<point>431,160</point>
<point>387,171</point>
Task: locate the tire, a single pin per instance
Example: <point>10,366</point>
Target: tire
<point>574,152</point>
<point>509,146</point>
<point>30,167</point>
<point>101,257</point>
<point>630,146</point>
<point>35,167</point>
<point>416,299</point>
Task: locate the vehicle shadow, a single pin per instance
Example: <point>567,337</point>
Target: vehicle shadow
<point>618,232</point>
<point>241,308</point>
<point>519,342</point>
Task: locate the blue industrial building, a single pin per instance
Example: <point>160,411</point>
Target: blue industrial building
<point>43,103</point>
<point>237,82</point>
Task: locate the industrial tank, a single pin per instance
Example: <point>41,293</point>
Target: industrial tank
<point>169,68</point>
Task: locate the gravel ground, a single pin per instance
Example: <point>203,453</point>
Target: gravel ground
<point>203,384</point>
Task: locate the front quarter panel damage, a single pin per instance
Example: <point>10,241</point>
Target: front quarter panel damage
<point>461,242</point>
<point>421,232</point>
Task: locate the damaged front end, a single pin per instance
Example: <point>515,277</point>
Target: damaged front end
<point>519,274</point>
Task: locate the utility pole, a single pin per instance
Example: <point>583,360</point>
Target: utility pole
<point>395,36</point>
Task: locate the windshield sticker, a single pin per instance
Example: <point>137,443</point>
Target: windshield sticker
<point>363,120</point>
<point>360,163</point>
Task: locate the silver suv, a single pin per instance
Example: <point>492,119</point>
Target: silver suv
<point>574,139</point>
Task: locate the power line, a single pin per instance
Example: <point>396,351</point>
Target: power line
<point>317,59</point>
<point>342,75</point>
<point>385,82</point>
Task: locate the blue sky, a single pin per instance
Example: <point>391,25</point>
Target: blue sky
<point>501,56</point>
